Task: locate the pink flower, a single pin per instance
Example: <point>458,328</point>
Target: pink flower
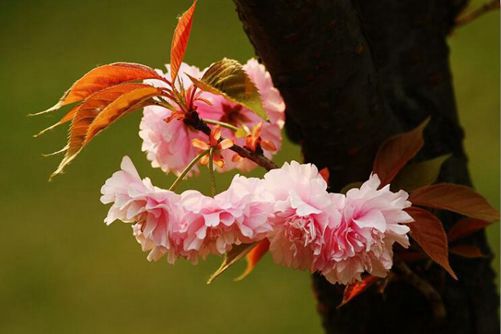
<point>156,212</point>
<point>228,112</point>
<point>373,220</point>
<point>168,145</point>
<point>303,209</point>
<point>235,216</point>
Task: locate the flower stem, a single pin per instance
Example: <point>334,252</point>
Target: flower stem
<point>211,172</point>
<point>187,169</point>
<point>222,124</point>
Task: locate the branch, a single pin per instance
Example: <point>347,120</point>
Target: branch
<point>192,119</point>
<point>433,297</point>
<point>471,16</point>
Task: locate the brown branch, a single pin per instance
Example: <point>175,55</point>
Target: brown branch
<point>192,119</point>
<point>429,292</point>
<point>474,14</point>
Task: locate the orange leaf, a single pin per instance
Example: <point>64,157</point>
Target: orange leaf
<point>180,40</point>
<point>456,198</point>
<point>325,174</point>
<point>66,118</point>
<point>125,103</point>
<point>469,251</point>
<point>354,289</point>
<point>466,227</point>
<point>111,103</point>
<point>253,257</point>
<point>230,258</point>
<point>103,77</point>
<point>396,151</point>
<point>428,232</point>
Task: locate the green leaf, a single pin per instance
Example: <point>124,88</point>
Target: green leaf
<point>419,174</point>
<point>228,79</point>
<point>230,258</point>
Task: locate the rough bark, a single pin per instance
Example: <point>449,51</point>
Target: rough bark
<point>353,73</point>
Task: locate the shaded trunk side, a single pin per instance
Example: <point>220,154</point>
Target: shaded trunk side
<point>353,73</point>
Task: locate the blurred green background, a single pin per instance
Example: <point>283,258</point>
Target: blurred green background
<point>62,270</point>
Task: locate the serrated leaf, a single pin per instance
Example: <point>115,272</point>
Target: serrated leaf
<point>228,79</point>
<point>103,77</point>
<point>253,257</point>
<point>230,258</point>
<point>354,289</point>
<point>396,151</point>
<point>419,174</point>
<point>65,119</point>
<point>428,232</point>
<point>456,198</point>
<point>466,227</point>
<point>100,110</point>
<point>180,40</point>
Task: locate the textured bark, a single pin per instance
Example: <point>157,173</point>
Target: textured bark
<point>353,73</point>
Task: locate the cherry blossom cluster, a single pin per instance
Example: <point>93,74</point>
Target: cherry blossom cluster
<point>168,141</point>
<point>338,235</point>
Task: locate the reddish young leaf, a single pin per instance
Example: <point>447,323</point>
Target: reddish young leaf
<point>354,289</point>
<point>102,77</point>
<point>428,232</point>
<point>253,257</point>
<point>113,98</point>
<point>396,151</point>
<point>127,102</point>
<point>230,258</point>
<point>456,198</point>
<point>65,119</point>
<point>180,40</point>
<point>469,251</point>
<point>325,173</point>
<point>466,227</point>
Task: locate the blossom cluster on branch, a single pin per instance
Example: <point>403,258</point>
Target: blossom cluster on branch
<point>168,145</point>
<point>229,116</point>
<point>341,236</point>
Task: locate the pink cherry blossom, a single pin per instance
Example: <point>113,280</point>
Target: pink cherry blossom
<point>372,221</point>
<point>303,209</point>
<point>235,216</point>
<point>157,213</point>
<point>226,111</point>
<point>168,144</point>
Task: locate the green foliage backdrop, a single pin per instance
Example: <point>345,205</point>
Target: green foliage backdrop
<point>62,270</point>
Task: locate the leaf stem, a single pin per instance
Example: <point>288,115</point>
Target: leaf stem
<point>211,172</point>
<point>187,169</point>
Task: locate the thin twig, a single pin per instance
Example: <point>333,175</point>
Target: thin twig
<point>433,297</point>
<point>187,169</point>
<point>474,14</point>
<point>192,119</point>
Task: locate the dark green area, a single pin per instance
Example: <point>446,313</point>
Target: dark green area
<point>64,271</point>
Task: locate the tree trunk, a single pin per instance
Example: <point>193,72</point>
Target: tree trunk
<point>353,73</point>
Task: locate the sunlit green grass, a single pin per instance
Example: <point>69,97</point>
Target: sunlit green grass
<point>64,271</point>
